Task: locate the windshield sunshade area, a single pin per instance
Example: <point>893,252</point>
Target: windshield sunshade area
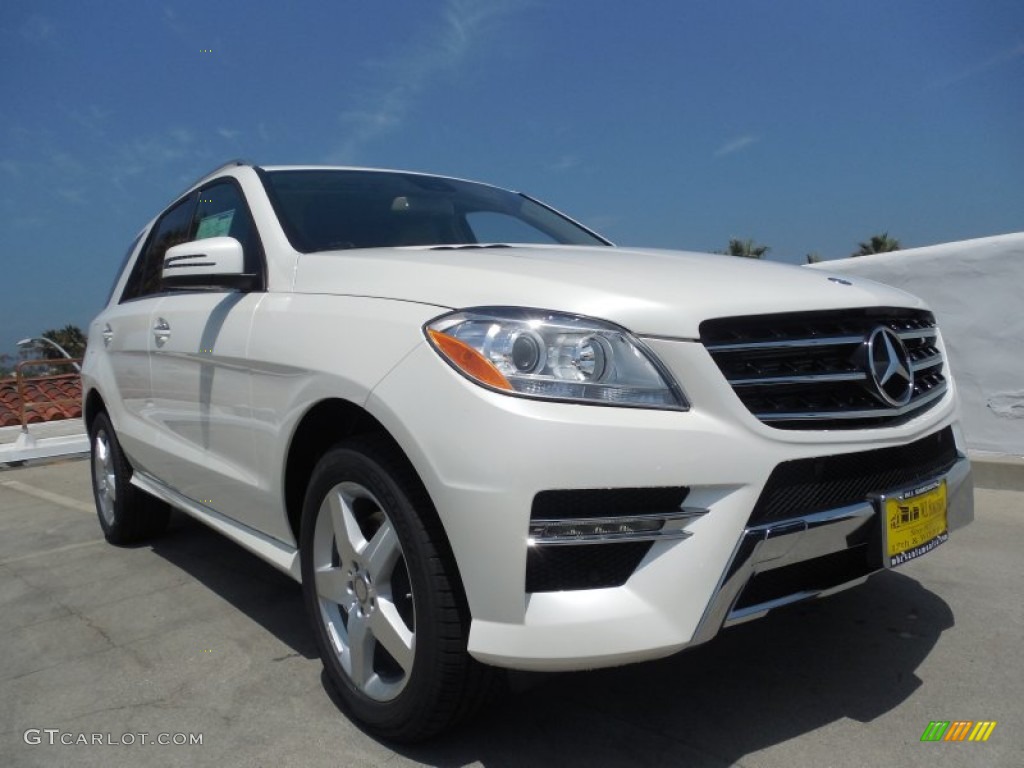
<point>324,210</point>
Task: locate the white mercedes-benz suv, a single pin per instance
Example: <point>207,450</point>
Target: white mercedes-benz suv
<point>481,436</point>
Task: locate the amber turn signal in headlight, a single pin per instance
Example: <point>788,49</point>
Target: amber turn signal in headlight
<point>554,356</point>
<point>468,360</point>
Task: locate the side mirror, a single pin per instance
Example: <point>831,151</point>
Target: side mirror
<point>210,262</point>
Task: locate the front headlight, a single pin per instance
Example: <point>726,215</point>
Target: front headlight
<point>553,356</point>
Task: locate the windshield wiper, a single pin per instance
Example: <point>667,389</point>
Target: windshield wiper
<point>468,246</point>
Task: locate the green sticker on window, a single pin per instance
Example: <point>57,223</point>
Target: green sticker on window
<point>217,225</point>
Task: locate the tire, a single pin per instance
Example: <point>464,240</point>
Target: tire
<point>127,515</point>
<point>390,623</point>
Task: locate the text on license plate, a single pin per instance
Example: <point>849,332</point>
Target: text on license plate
<point>915,524</point>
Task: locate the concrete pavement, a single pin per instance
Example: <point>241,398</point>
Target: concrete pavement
<point>47,440</point>
<point>192,635</point>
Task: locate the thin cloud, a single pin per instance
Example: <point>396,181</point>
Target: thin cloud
<point>170,20</point>
<point>737,145</point>
<point>93,119</point>
<point>148,153</point>
<point>386,116</point>
<point>182,136</point>
<point>72,195</point>
<point>37,29</point>
<point>124,171</point>
<point>27,222</point>
<point>602,223</point>
<point>191,33</point>
<point>403,80</point>
<point>994,61</point>
<point>66,164</point>
<point>565,163</point>
<point>229,133</point>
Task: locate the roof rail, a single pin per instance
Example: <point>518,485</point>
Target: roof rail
<point>230,164</point>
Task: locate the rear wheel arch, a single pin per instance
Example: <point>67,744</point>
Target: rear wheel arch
<point>93,406</point>
<point>126,514</point>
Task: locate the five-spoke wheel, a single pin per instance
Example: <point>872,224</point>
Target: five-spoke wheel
<point>104,476</point>
<point>126,514</point>
<point>380,586</point>
<point>363,591</point>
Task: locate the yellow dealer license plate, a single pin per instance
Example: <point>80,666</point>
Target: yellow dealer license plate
<point>915,523</point>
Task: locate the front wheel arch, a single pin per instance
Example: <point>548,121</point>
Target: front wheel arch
<point>362,495</point>
<point>324,426</point>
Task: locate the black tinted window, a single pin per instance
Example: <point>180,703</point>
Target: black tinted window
<point>172,229</point>
<point>124,263</point>
<point>221,211</point>
<point>493,227</point>
<point>327,210</point>
<point>218,210</point>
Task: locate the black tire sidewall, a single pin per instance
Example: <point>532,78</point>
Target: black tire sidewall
<point>358,464</point>
<point>137,515</point>
<point>114,532</point>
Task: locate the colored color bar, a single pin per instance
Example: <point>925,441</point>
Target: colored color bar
<point>958,730</point>
<point>982,730</point>
<point>935,730</point>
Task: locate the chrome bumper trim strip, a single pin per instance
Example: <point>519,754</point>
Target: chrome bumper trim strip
<point>778,544</point>
<point>672,527</point>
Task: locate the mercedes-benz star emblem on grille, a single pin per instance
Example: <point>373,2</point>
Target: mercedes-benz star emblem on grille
<point>890,367</point>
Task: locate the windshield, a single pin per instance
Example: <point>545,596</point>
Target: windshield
<point>324,210</point>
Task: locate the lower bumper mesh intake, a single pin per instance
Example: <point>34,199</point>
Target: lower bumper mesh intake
<point>805,486</point>
<point>588,566</point>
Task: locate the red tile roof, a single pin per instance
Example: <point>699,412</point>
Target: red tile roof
<point>50,398</point>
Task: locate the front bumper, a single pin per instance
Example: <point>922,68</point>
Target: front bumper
<point>820,553</point>
<point>484,458</point>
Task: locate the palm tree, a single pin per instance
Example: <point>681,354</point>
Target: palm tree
<point>748,249</point>
<point>70,337</point>
<point>878,244</point>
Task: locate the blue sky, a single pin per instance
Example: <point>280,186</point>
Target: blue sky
<point>804,124</point>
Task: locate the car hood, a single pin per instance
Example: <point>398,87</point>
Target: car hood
<point>650,292</point>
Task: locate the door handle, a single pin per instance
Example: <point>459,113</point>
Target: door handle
<point>161,331</point>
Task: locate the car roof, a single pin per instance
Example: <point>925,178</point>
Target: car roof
<point>320,167</point>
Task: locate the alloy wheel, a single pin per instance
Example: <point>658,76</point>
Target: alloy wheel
<point>363,591</point>
<point>104,476</point>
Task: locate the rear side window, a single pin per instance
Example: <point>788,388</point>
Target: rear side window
<point>120,269</point>
<point>172,229</point>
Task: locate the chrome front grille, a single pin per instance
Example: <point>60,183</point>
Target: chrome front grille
<point>814,370</point>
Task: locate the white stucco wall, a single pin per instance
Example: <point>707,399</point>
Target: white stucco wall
<point>976,289</point>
